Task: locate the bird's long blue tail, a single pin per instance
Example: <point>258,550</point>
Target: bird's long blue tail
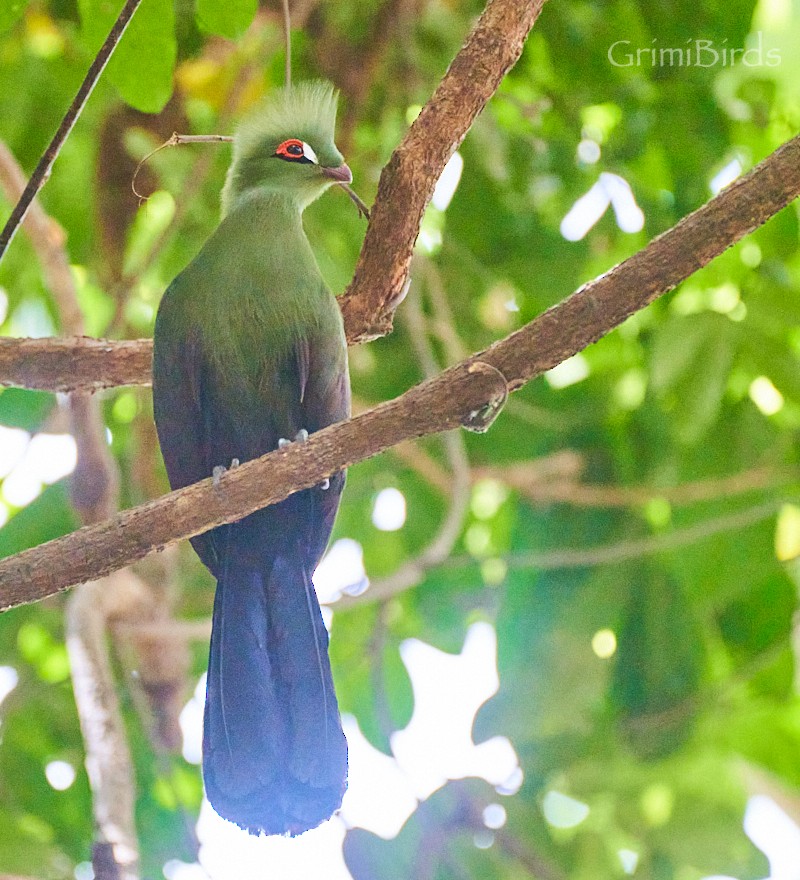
<point>274,754</point>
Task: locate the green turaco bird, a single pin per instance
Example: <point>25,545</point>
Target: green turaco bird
<point>250,350</point>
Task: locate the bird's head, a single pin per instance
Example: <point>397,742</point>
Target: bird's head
<point>286,147</point>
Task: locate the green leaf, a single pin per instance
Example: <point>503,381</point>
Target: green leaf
<point>143,62</point>
<point>11,11</point>
<point>658,666</point>
<point>229,19</point>
<point>20,408</point>
<point>371,680</point>
<point>49,516</point>
<point>691,360</point>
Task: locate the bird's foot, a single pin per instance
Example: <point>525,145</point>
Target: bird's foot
<point>300,437</point>
<point>219,470</point>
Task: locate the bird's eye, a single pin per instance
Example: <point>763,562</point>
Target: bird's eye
<point>295,150</point>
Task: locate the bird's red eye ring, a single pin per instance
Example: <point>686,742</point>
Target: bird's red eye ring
<point>293,150</point>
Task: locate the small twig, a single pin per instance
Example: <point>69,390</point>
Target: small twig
<point>415,457</point>
<point>444,322</point>
<point>376,648</point>
<point>590,557</point>
<point>176,140</point>
<point>541,418</point>
<point>167,629</point>
<point>42,170</point>
<point>363,210</point>
<point>568,490</point>
<point>48,239</point>
<point>193,183</point>
<point>287,35</point>
<point>445,327</point>
<point>15,877</point>
<point>536,864</point>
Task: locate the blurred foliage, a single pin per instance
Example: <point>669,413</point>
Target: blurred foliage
<point>702,385</point>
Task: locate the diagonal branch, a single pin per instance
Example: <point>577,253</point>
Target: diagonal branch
<point>635,548</point>
<point>42,170</point>
<point>408,180</point>
<point>439,404</point>
<point>378,285</point>
<point>67,364</point>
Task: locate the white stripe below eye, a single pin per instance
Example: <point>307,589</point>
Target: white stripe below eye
<point>310,154</point>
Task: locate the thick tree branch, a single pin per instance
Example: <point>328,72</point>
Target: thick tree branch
<point>408,180</point>
<point>436,405</point>
<point>76,363</point>
<point>42,170</point>
<point>94,551</point>
<point>66,364</point>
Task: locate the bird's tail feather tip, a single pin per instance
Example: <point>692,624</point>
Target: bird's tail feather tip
<point>275,813</point>
<point>274,752</point>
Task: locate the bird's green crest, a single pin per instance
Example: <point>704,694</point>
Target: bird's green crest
<point>306,112</point>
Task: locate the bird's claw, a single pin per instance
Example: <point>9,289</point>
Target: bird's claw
<point>219,470</point>
<point>300,437</point>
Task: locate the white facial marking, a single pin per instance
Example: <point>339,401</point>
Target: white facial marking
<point>309,153</point>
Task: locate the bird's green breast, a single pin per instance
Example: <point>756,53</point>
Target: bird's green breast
<point>254,291</point>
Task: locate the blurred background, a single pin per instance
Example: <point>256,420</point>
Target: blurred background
<point>566,648</point>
